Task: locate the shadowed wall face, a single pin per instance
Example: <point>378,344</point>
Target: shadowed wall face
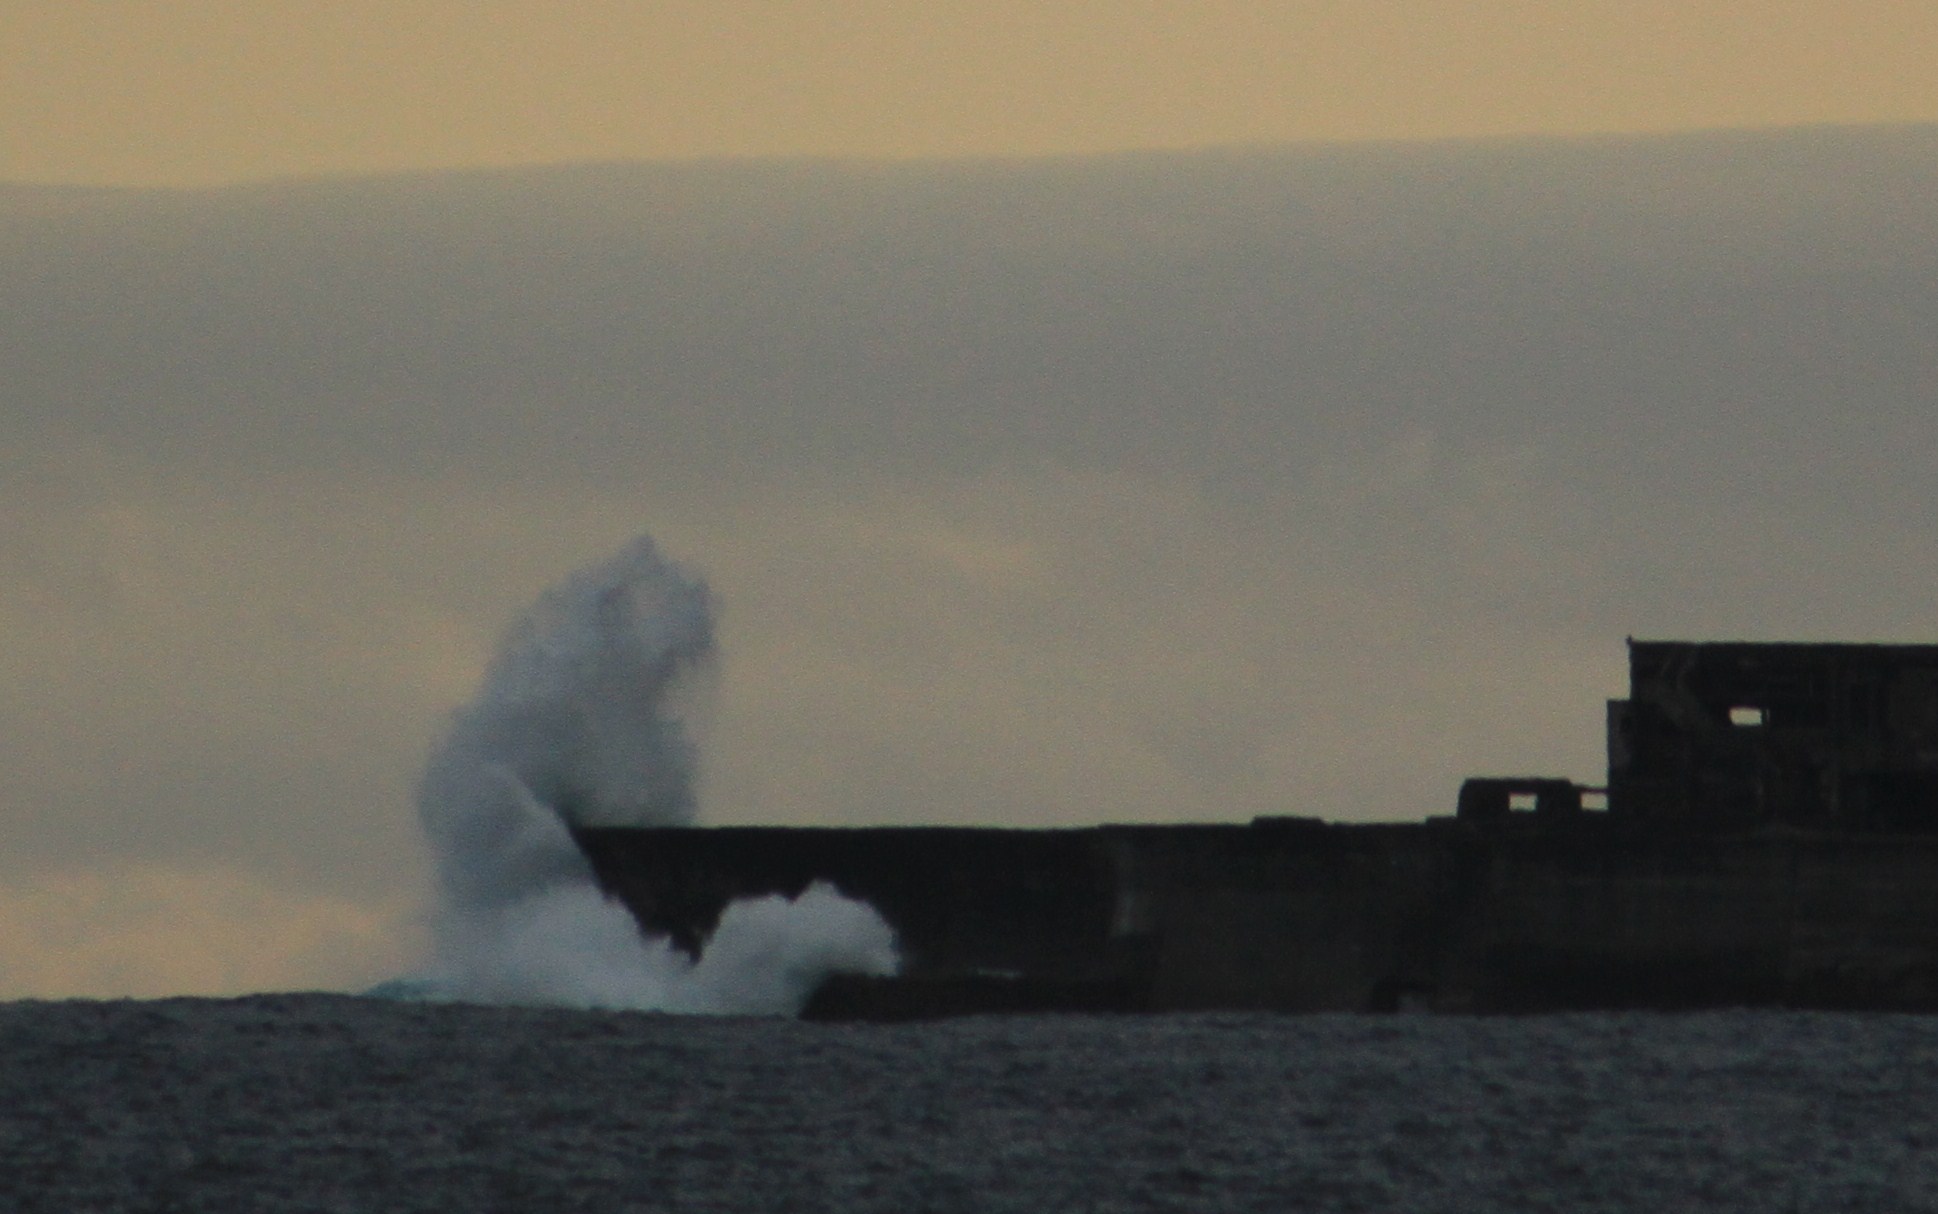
<point>1526,914</point>
<point>1152,487</point>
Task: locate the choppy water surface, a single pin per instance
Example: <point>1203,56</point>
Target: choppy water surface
<point>327,1103</point>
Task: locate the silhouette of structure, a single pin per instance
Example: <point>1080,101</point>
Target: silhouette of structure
<point>1830,737</point>
<point>1767,835</point>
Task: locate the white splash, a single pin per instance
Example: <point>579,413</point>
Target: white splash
<point>578,722</point>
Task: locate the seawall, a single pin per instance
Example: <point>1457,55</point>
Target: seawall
<point>1300,915</point>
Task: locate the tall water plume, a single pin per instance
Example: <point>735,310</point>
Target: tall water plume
<point>579,722</point>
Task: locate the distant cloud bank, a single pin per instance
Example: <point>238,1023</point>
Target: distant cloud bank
<point>1137,487</point>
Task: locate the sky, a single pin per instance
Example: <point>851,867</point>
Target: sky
<point>192,92</point>
<point>1082,412</point>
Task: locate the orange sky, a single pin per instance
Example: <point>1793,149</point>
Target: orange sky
<point>189,92</point>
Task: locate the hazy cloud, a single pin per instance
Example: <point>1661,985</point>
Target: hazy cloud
<point>139,930</point>
<point>1142,487</point>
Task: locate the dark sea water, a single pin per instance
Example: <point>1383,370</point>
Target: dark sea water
<point>315,1102</point>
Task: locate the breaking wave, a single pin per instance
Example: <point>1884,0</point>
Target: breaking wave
<point>579,722</point>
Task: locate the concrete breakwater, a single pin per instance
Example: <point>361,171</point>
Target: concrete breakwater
<point>1300,915</point>
<point>1767,837</point>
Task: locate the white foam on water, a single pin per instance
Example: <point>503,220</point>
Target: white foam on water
<point>579,722</point>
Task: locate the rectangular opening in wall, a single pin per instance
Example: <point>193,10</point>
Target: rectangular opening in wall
<point>1746,717</point>
<point>1594,800</point>
<point>1520,802</point>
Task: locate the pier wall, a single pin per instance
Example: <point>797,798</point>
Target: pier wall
<point>1299,915</point>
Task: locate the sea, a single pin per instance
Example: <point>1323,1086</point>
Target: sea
<point>317,1102</point>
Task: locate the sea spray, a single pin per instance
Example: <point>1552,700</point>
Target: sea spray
<point>579,722</point>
